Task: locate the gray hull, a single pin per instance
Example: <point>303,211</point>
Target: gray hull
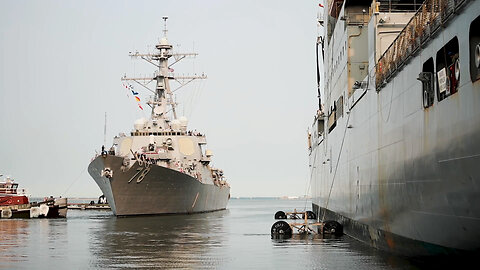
<point>161,191</point>
<point>398,176</point>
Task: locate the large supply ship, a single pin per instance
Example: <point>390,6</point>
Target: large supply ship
<point>394,148</point>
<point>162,167</point>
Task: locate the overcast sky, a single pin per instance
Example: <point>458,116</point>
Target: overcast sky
<point>60,69</point>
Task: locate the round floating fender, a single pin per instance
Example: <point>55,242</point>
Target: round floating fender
<point>6,213</point>
<point>43,210</point>
<point>281,228</point>
<point>310,215</point>
<point>332,227</point>
<point>34,212</point>
<point>280,215</point>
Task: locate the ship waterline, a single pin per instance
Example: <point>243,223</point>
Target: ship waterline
<point>161,191</point>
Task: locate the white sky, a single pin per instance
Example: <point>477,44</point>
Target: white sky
<point>60,69</point>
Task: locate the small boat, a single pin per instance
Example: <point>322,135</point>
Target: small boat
<point>88,206</point>
<point>101,204</point>
<point>15,204</point>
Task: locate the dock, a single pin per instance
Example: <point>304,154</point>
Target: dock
<point>88,206</point>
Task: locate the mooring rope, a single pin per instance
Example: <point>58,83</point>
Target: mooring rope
<point>310,182</point>
<point>78,177</point>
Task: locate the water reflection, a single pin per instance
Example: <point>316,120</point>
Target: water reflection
<point>191,241</point>
<point>13,234</point>
<point>24,241</point>
<point>238,238</point>
<point>336,252</point>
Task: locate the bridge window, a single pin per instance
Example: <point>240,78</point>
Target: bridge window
<point>448,69</point>
<point>475,49</point>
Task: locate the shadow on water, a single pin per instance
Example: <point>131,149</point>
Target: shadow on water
<point>175,241</point>
<point>344,252</point>
<point>333,252</point>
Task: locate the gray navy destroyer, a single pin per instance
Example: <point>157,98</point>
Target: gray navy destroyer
<point>394,150</point>
<point>162,167</point>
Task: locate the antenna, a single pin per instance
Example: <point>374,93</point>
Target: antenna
<point>165,18</point>
<point>105,131</point>
<point>163,95</point>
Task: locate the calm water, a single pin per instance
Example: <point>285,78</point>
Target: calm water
<point>237,238</point>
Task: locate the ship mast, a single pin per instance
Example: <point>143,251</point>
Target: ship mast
<point>160,103</point>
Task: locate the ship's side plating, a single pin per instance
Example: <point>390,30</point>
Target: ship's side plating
<point>161,191</point>
<point>395,165</point>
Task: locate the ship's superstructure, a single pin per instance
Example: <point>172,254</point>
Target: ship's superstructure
<point>162,167</point>
<point>394,147</point>
<point>9,193</point>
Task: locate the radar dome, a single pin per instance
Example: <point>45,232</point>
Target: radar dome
<point>164,41</point>
<point>176,124</point>
<point>183,123</point>
<point>140,123</point>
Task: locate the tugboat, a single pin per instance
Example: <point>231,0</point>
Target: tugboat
<point>11,199</point>
<point>14,204</point>
<point>161,168</point>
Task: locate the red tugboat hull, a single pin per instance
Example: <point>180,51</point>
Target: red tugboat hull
<point>13,200</point>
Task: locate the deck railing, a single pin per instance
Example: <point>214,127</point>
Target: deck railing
<point>425,23</point>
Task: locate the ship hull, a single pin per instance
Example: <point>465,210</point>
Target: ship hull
<point>160,191</point>
<point>401,177</point>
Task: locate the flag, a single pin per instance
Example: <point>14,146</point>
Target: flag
<point>137,98</point>
<point>171,69</point>
<point>320,5</point>
<point>140,106</point>
<point>134,93</point>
